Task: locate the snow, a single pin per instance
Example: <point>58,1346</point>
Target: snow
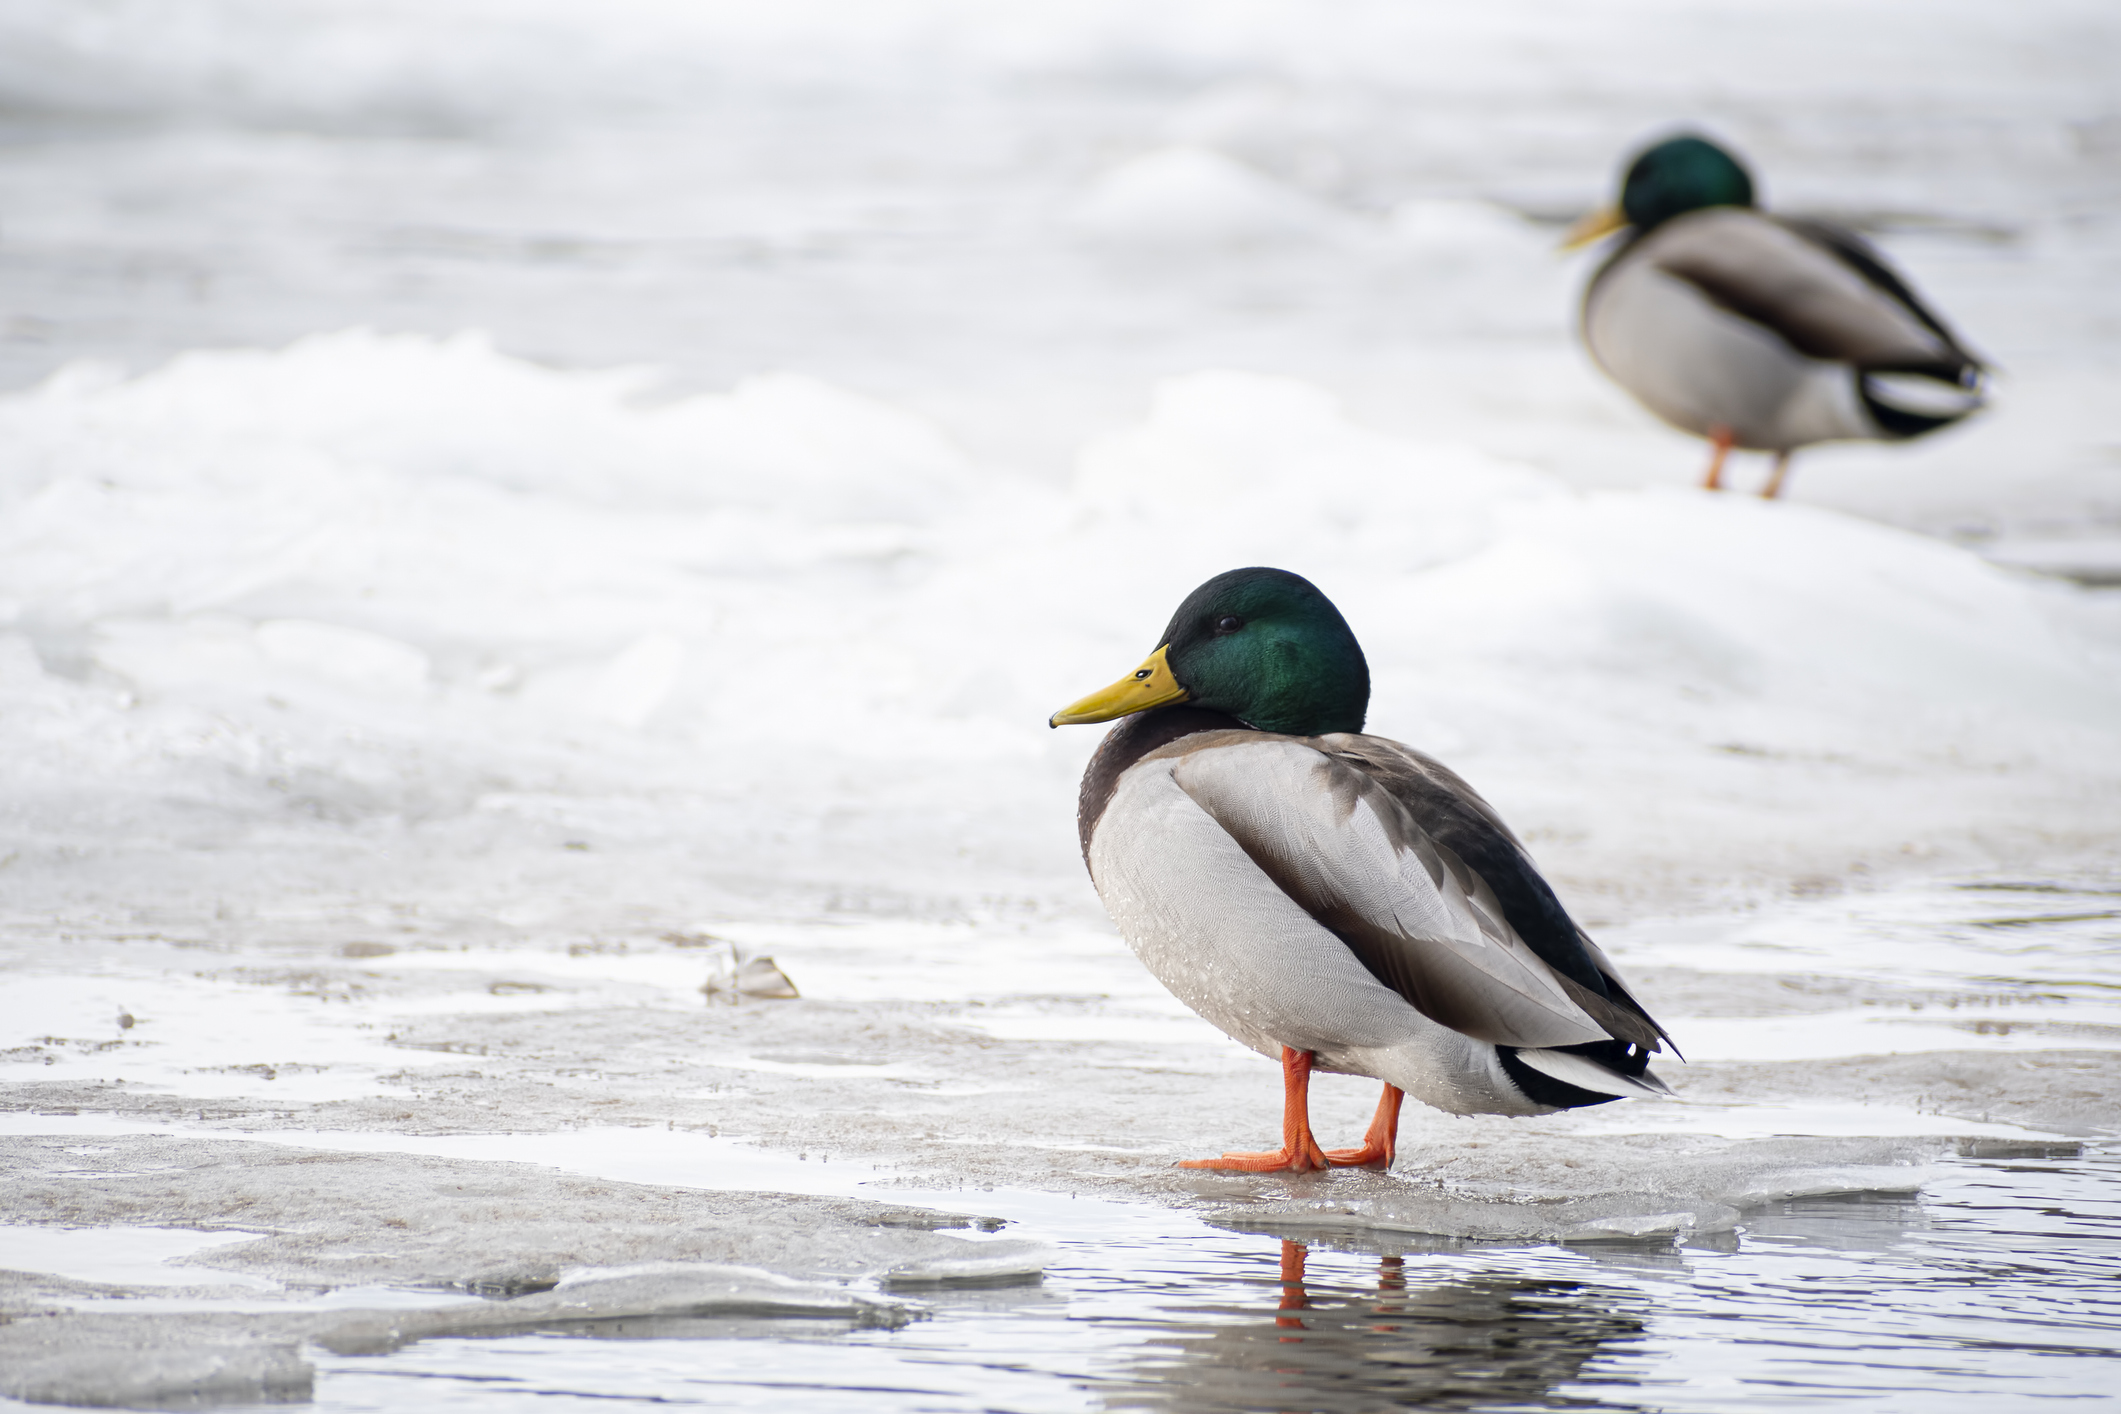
<point>414,589</point>
<point>1185,198</point>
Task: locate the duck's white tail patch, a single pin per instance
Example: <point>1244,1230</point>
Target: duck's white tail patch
<point>1923,396</point>
<point>1587,1074</point>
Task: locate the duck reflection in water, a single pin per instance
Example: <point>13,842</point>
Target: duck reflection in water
<point>1465,1342</point>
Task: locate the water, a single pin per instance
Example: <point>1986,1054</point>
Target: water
<point>2002,1283</point>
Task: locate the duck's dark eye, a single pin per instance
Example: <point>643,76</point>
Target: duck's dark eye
<point>1229,623</point>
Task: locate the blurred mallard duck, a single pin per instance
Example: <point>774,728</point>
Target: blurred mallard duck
<point>1334,900</point>
<point>1760,331</point>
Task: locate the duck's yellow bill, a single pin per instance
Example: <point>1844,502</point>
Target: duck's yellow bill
<point>1150,685</point>
<point>1602,222</point>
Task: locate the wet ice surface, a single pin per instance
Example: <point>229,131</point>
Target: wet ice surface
<point>1998,1284</point>
<point>401,727</point>
<point>1821,1298</point>
<point>1944,1229</point>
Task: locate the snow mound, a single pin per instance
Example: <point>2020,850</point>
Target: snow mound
<point>1778,602</point>
<point>1271,470</point>
<point>406,583</point>
<point>1461,231</point>
<point>322,417</point>
<point>1192,197</point>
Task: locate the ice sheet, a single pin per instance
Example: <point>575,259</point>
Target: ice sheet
<point>132,1256</point>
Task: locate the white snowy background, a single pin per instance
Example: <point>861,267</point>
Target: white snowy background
<point>760,417</point>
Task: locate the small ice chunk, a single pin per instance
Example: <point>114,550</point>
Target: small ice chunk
<point>1603,1218</point>
<point>618,1293</point>
<point>1604,1190</point>
<point>1635,1226</point>
<point>761,977</point>
<point>97,1370</point>
<point>1821,1182</point>
<point>981,1263</point>
<point>679,1289</point>
<point>737,975</point>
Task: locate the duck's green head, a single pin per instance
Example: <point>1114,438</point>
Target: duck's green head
<point>1676,176</point>
<point>1680,175</point>
<point>1262,645</point>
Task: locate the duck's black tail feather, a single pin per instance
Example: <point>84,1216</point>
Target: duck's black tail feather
<point>1565,1076</point>
<point>1910,400</point>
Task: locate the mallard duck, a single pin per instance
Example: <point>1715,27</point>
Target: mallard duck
<point>1337,901</point>
<point>1759,331</point>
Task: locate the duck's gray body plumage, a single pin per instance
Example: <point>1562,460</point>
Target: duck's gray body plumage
<point>1783,332</point>
<point>1347,896</point>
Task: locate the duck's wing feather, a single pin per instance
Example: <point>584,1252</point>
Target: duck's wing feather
<point>1451,813</point>
<point>1341,845</point>
<point>1863,257</point>
<point>1825,293</point>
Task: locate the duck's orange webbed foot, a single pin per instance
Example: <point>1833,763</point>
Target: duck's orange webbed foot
<point>1299,1151</point>
<point>1311,1160</point>
<point>1382,1140</point>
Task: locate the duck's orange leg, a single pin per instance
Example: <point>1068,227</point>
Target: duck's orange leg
<point>1381,1142</point>
<point>1299,1152</point>
<point>1774,481</point>
<point>1722,440</point>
